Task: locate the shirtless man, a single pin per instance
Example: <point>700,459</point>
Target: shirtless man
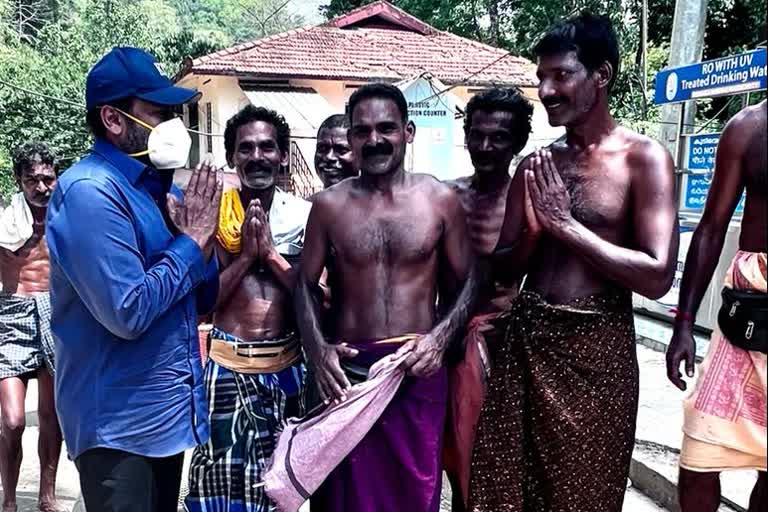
<point>496,129</point>
<point>389,234</point>
<point>26,345</point>
<point>557,428</point>
<point>734,437</point>
<point>255,373</point>
<point>334,160</point>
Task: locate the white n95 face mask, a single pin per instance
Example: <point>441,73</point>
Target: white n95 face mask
<point>168,145</point>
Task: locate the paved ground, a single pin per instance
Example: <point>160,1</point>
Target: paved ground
<point>67,485</point>
<point>637,502</point>
<point>659,421</point>
<point>68,490</point>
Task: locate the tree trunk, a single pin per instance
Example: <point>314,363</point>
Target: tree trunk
<point>493,15</point>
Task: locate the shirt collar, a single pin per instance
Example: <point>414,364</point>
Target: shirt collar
<point>157,183</point>
<point>129,166</point>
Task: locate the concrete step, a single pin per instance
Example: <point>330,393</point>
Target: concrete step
<point>654,471</point>
<point>655,334</point>
<point>636,501</point>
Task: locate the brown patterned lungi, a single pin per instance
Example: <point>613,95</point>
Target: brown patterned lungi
<point>558,424</point>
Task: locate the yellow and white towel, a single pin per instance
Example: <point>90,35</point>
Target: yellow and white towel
<point>287,220</point>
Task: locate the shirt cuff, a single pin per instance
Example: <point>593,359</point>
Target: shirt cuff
<point>188,251</point>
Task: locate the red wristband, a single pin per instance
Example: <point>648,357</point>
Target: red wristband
<point>680,315</point>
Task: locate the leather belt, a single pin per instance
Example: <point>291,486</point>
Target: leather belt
<point>255,357</point>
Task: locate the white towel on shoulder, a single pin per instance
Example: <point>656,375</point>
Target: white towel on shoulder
<point>287,221</point>
<point>16,223</point>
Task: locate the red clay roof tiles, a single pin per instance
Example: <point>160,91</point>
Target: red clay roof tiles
<point>375,42</point>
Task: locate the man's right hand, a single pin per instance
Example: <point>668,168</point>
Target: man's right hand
<point>533,227</point>
<point>330,379</point>
<point>250,239</point>
<point>681,348</point>
<point>198,216</point>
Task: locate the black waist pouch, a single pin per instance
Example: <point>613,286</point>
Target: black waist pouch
<point>743,319</point>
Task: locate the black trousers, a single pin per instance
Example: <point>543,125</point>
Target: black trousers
<point>117,481</point>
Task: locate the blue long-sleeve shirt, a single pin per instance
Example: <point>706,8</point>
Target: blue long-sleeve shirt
<point>125,294</point>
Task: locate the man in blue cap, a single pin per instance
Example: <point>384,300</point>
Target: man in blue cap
<point>131,269</point>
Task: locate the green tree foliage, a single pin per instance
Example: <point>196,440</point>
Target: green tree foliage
<point>464,18</point>
<point>236,20</point>
<point>56,66</point>
<point>732,26</point>
<point>45,58</point>
<point>47,46</point>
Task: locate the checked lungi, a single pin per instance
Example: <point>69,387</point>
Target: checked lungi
<point>26,342</point>
<point>246,410</point>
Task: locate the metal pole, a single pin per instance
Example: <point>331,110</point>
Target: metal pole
<point>679,157</point>
<point>685,48</point>
<point>644,45</point>
<point>680,154</point>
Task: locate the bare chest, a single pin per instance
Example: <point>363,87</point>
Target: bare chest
<point>390,236</point>
<point>32,256</point>
<point>27,270</point>
<point>599,190</point>
<point>256,287</point>
<point>756,165</point>
<point>485,217</point>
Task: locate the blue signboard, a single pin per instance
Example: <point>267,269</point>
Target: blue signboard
<point>700,160</point>
<point>730,75</point>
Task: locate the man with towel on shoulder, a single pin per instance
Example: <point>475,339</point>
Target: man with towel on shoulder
<point>26,343</point>
<point>255,373</point>
<point>390,240</point>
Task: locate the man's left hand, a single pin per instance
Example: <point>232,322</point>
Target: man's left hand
<point>426,356</point>
<point>263,234</point>
<point>549,196</point>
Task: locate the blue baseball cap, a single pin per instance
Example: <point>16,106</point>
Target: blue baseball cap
<point>127,72</point>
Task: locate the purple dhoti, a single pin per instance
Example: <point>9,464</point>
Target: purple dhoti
<point>398,464</point>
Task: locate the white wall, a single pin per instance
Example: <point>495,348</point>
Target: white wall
<point>226,98</point>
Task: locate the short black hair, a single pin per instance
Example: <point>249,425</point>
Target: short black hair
<point>506,99</point>
<point>93,116</point>
<point>379,90</point>
<point>334,121</point>
<point>251,114</point>
<point>591,37</point>
<point>30,154</point>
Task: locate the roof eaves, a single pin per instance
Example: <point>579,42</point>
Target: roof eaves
<point>355,15</point>
<point>524,63</point>
<point>387,11</point>
<point>518,80</point>
<point>242,73</point>
<point>233,50</point>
